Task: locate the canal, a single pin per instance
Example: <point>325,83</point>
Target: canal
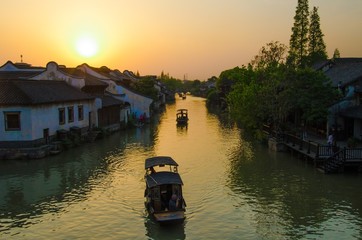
<point>234,188</point>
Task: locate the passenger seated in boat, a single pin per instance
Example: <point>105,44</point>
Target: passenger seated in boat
<point>172,204</point>
<point>164,204</point>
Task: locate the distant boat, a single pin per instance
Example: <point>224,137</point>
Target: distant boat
<point>163,194</point>
<point>182,95</point>
<point>182,116</point>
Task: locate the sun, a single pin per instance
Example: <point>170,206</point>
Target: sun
<point>86,46</point>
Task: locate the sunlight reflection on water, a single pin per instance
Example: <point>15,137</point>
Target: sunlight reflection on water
<point>234,188</point>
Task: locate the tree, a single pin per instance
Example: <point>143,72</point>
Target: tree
<point>227,79</point>
<point>314,95</point>
<point>272,54</point>
<point>145,86</point>
<point>298,51</point>
<point>336,54</point>
<point>254,99</point>
<point>316,46</point>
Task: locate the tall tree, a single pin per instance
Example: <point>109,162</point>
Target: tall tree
<point>254,98</point>
<point>298,51</point>
<point>316,46</point>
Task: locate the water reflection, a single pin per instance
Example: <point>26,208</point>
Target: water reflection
<point>166,232</point>
<point>182,128</point>
<point>288,196</point>
<point>234,188</point>
<point>30,189</point>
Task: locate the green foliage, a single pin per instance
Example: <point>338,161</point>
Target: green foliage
<point>229,77</point>
<point>306,42</point>
<point>336,54</point>
<point>271,91</point>
<point>316,46</point>
<point>171,83</point>
<point>298,51</point>
<point>254,98</point>
<point>314,94</point>
<point>212,97</point>
<point>273,54</point>
<point>146,87</point>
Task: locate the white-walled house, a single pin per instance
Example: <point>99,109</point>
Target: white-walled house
<point>32,112</point>
<point>138,104</point>
<point>54,72</point>
<point>98,82</point>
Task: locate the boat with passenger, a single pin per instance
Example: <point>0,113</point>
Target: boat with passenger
<point>182,116</point>
<point>163,194</point>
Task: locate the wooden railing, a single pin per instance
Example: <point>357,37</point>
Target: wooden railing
<point>332,158</point>
<point>300,143</point>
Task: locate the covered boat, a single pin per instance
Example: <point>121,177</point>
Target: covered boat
<point>182,116</point>
<point>163,193</point>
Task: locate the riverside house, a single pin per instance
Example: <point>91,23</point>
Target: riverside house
<point>346,115</point>
<point>93,97</point>
<point>110,113</point>
<point>34,111</point>
<point>119,86</point>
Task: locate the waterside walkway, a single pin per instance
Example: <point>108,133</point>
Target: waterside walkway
<point>327,159</point>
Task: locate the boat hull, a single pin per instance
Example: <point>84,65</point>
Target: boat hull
<point>169,217</point>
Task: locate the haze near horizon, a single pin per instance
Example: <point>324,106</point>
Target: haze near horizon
<point>187,39</point>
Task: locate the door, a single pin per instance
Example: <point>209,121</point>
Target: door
<point>89,120</point>
<point>46,135</point>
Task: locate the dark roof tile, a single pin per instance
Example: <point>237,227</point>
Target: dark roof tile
<point>344,70</point>
<point>17,74</point>
<point>110,101</point>
<point>29,92</point>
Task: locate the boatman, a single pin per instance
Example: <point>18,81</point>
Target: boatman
<point>172,204</point>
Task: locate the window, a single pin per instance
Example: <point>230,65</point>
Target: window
<point>61,116</point>
<point>70,114</point>
<point>80,113</point>
<point>12,121</point>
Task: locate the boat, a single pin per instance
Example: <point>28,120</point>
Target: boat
<point>163,194</point>
<point>182,116</point>
<point>182,95</point>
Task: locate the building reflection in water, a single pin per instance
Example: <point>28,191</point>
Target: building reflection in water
<point>31,188</point>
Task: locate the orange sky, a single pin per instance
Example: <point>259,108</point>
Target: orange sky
<point>196,39</point>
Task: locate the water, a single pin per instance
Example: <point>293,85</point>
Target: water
<point>234,188</point>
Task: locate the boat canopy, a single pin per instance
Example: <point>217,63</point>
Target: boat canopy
<point>182,110</point>
<point>159,160</point>
<point>161,178</point>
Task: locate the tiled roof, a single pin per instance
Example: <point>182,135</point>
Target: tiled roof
<point>94,81</point>
<point>110,101</point>
<point>17,74</point>
<point>344,70</point>
<point>29,92</point>
<point>72,71</point>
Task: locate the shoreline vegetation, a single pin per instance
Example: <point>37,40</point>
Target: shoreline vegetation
<point>281,86</point>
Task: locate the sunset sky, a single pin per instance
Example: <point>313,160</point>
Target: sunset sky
<point>196,39</point>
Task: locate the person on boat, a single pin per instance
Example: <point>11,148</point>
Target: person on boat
<point>164,205</point>
<point>172,204</point>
